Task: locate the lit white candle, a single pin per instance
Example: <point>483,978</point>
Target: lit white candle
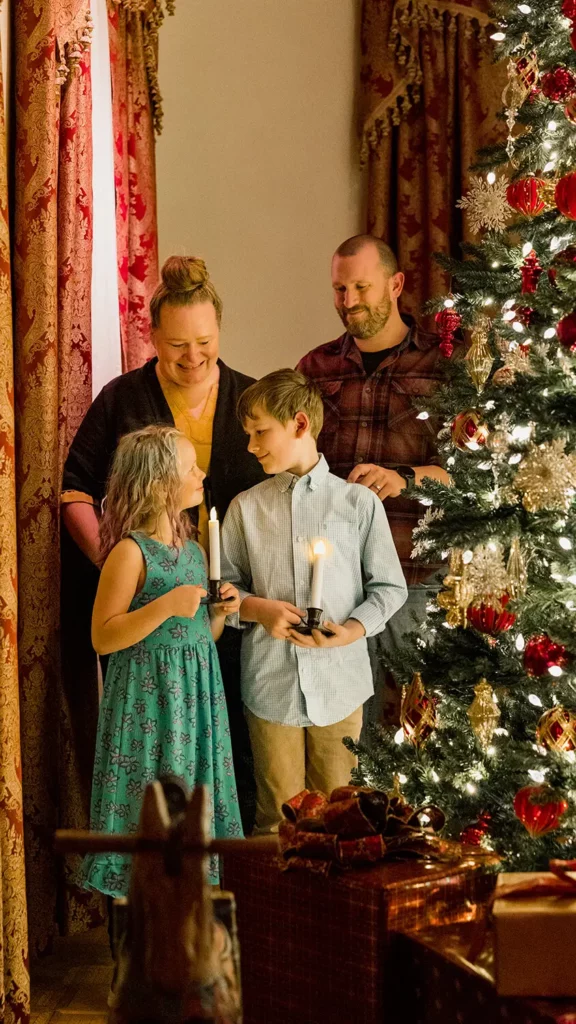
<point>214,538</point>
<point>319,553</point>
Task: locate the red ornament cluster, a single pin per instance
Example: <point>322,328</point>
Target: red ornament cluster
<point>558,85</point>
<point>524,196</point>
<point>473,835</point>
<point>539,809</point>
<point>448,321</point>
<point>490,620</point>
<point>541,653</point>
<point>530,272</point>
<point>566,332</point>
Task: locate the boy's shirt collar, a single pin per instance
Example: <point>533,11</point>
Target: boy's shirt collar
<point>284,481</point>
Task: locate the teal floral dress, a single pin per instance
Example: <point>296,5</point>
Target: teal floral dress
<point>163,712</point>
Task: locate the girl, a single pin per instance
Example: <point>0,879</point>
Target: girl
<point>163,710</point>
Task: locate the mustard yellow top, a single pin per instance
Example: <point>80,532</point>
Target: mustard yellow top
<point>198,430</point>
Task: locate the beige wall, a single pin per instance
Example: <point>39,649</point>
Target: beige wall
<point>257,164</point>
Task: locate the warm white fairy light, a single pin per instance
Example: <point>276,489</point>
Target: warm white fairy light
<point>535,700</point>
<point>536,776</point>
<point>508,303</point>
<point>450,460</point>
<point>448,303</point>
<point>498,37</point>
<point>565,543</point>
<point>549,166</point>
<point>552,126</point>
<point>491,177</point>
<point>572,580</point>
<point>521,433</point>
<point>488,301</point>
<point>402,779</point>
<point>518,327</point>
<point>514,459</point>
<point>555,671</point>
<point>495,264</point>
<point>549,332</point>
<point>434,776</point>
<point>399,737</point>
<point>519,642</point>
<point>546,145</point>
<point>484,465</point>
<point>527,248</point>
<point>467,556</point>
<point>508,315</point>
<point>425,501</point>
<point>470,787</point>
<point>423,416</point>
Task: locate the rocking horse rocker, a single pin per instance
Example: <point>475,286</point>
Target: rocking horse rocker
<point>177,959</point>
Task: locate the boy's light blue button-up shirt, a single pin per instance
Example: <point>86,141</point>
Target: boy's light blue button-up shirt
<point>267,539</point>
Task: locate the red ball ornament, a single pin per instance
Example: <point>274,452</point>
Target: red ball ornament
<point>530,272</point>
<point>566,332</point>
<point>539,809</point>
<point>448,321</point>
<point>524,196</point>
<point>558,85</point>
<point>469,431</point>
<point>565,195</point>
<point>490,620</point>
<point>541,654</point>
<point>473,835</point>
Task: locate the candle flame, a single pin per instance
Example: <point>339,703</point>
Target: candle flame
<point>213,515</point>
<point>319,547</point>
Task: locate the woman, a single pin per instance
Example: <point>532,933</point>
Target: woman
<point>188,386</point>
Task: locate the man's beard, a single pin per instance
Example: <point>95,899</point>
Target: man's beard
<point>377,317</point>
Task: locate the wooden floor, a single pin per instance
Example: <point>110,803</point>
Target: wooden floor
<point>71,986</point>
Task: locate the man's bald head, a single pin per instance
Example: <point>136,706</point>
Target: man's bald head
<point>354,245</point>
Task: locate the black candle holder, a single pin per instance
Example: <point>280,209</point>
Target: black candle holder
<point>213,596</point>
<point>313,620</point>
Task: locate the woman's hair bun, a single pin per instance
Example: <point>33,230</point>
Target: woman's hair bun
<point>184,274</point>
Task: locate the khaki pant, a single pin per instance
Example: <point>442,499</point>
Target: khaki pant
<point>288,759</point>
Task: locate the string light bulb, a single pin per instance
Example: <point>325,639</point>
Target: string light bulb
<point>527,248</point>
<point>448,303</point>
<point>565,543</point>
<point>498,37</point>
<point>552,126</point>
<point>549,332</point>
<point>491,177</point>
<point>524,9</point>
<point>535,700</point>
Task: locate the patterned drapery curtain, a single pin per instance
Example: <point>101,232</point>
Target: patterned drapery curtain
<point>51,271</point>
<point>429,96</point>
<point>14,980</point>
<point>137,113</point>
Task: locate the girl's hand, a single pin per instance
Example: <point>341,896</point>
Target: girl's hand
<point>184,601</point>
<point>226,607</point>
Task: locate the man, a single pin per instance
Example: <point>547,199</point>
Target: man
<point>369,378</point>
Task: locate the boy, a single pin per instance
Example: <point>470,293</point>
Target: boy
<point>303,694</point>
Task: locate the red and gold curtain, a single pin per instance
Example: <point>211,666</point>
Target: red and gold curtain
<point>14,980</point>
<point>136,112</point>
<point>52,283</point>
<point>429,96</point>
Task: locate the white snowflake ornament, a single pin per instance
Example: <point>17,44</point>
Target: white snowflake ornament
<point>486,203</point>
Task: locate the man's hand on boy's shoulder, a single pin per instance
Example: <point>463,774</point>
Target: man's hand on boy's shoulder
<point>348,633</point>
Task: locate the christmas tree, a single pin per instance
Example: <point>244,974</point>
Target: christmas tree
<point>488,719</point>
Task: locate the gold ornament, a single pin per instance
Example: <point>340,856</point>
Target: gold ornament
<point>417,713</point>
<point>479,358</point>
<point>504,377</point>
<point>522,76</point>
<point>546,477</point>
<point>556,730</point>
<point>498,440</point>
<point>487,575</point>
<point>516,570</point>
<point>484,713</point>
<point>457,593</point>
<point>469,431</point>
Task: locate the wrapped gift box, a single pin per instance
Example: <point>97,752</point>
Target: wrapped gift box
<point>435,983</point>
<point>314,949</point>
<point>535,939</point>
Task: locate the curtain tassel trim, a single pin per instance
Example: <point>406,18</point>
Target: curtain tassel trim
<point>154,12</point>
<point>69,54</point>
<point>411,17</point>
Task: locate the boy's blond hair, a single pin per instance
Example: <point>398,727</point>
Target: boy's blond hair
<point>282,394</point>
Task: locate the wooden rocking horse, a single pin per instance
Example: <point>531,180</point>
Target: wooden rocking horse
<point>177,960</point>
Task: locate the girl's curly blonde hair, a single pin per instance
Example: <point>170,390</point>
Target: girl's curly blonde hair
<point>144,482</point>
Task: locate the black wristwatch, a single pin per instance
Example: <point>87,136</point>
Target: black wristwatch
<point>407,472</point>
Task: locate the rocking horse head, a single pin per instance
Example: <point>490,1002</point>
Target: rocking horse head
<point>174,959</point>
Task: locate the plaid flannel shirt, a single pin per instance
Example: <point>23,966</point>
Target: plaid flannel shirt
<point>373,419</point>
